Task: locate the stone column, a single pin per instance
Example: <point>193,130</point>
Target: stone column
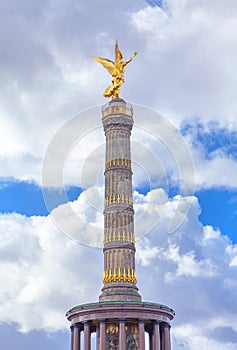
<point>156,336</point>
<point>141,338</point>
<point>167,344</point>
<point>122,335</point>
<point>75,337</point>
<point>72,337</point>
<point>102,334</point>
<point>151,343</point>
<point>119,241</point>
<point>87,336</point>
<point>162,336</point>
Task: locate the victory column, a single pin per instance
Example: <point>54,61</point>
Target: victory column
<point>120,319</point>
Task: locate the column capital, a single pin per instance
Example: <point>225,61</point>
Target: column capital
<point>122,319</point>
<point>157,322</point>
<point>141,320</point>
<point>86,322</point>
<point>102,320</point>
<point>75,325</point>
<point>166,324</point>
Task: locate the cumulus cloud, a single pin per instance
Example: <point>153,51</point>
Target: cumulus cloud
<point>213,148</point>
<point>44,273</point>
<point>48,75</point>
<point>190,270</point>
<point>186,65</point>
<point>190,41</point>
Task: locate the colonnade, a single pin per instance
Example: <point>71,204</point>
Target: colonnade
<point>158,331</point>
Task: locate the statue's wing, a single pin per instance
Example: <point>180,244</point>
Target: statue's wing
<point>109,65</point>
<point>118,54</point>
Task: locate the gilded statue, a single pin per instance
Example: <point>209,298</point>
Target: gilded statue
<point>116,69</point>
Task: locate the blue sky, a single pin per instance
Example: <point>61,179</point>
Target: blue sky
<point>219,206</point>
<point>27,198</point>
<point>11,338</point>
<point>182,85</point>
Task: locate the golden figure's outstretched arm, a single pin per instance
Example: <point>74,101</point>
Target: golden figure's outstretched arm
<point>109,65</point>
<point>130,59</point>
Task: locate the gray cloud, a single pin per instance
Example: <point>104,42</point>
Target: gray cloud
<point>185,68</point>
<point>193,271</point>
<point>185,64</point>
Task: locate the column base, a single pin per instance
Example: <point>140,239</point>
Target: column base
<point>122,293</point>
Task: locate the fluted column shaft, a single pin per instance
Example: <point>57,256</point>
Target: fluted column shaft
<point>165,336</point>
<point>166,330</point>
<point>141,336</point>
<point>102,335</point>
<point>119,242</point>
<point>151,340</point>
<point>75,337</point>
<point>87,336</point>
<point>156,336</point>
<point>122,335</point>
<point>72,337</point>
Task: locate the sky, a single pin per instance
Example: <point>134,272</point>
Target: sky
<point>182,85</point>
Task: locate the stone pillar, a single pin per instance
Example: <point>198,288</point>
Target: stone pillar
<point>162,336</point>
<point>156,336</point>
<point>141,338</point>
<point>72,337</point>
<point>87,336</point>
<point>75,337</point>
<point>119,242</point>
<point>122,335</point>
<point>102,334</point>
<point>151,342</point>
<point>167,344</point>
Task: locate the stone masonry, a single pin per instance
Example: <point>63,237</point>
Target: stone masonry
<point>120,320</point>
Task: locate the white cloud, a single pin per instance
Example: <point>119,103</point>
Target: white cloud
<point>190,270</point>
<point>187,264</point>
<point>189,48</point>
<point>211,168</point>
<point>189,43</point>
<point>186,66</point>
<point>193,337</point>
<point>145,252</point>
<point>44,273</point>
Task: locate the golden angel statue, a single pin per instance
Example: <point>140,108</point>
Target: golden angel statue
<point>116,69</point>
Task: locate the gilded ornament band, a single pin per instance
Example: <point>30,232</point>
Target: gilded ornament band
<point>119,236</point>
<point>120,275</point>
<point>118,199</point>
<point>121,162</point>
